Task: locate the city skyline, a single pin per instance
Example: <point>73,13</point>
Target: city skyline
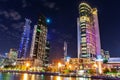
<point>62,27</point>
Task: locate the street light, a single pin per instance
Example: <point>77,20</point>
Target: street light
<point>27,64</point>
<point>70,67</point>
<point>59,65</point>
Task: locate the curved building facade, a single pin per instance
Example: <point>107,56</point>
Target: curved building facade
<point>88,32</point>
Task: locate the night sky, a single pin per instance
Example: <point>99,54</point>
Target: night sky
<point>63,25</point>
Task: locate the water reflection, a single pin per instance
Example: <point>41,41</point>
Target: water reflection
<point>83,79</point>
<point>33,77</point>
<point>25,76</point>
<point>58,78</point>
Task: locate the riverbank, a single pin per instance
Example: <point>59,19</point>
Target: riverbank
<point>63,75</point>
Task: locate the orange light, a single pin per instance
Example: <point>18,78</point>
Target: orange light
<point>59,64</point>
<point>27,64</point>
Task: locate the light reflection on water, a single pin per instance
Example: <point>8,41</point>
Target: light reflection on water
<point>25,76</point>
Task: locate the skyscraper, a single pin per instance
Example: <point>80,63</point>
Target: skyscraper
<point>88,32</point>
<point>38,46</point>
<point>23,49</point>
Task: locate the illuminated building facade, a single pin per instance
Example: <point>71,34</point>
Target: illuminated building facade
<point>105,54</point>
<point>12,54</point>
<point>38,47</point>
<point>23,49</point>
<point>88,32</point>
<point>47,51</point>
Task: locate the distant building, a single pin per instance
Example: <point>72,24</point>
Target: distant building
<point>65,51</point>
<point>88,32</point>
<point>12,54</point>
<point>105,54</point>
<point>38,47</point>
<point>114,60</point>
<point>113,63</point>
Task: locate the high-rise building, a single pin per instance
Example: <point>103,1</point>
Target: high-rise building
<point>88,32</point>
<point>38,47</point>
<point>23,49</point>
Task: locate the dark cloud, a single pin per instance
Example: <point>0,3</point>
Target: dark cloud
<point>24,3</point>
<point>18,26</point>
<point>3,27</point>
<point>11,14</point>
<point>50,5</point>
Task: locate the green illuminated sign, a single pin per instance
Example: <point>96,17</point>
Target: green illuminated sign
<point>39,30</point>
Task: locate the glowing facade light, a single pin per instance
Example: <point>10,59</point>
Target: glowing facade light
<point>39,30</point>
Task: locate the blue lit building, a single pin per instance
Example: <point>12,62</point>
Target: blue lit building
<point>23,49</point>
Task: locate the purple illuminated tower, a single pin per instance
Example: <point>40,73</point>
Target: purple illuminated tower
<point>88,32</point>
<point>23,49</point>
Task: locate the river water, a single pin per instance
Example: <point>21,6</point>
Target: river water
<point>25,76</point>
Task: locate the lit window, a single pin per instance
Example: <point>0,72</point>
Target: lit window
<point>83,39</point>
<point>84,52</point>
<point>83,48</point>
<point>83,44</point>
<point>83,34</point>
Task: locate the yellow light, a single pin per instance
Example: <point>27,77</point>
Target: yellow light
<point>70,66</point>
<point>27,64</point>
<point>33,77</point>
<point>94,11</point>
<point>95,65</point>
<point>25,76</point>
<point>58,78</point>
<point>100,67</point>
<point>59,64</point>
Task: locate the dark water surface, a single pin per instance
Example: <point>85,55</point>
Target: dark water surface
<point>25,76</point>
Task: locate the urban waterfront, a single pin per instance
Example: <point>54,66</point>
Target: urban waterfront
<point>25,76</point>
<point>44,40</point>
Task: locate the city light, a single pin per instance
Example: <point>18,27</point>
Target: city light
<point>27,64</point>
<point>33,59</point>
<point>59,64</point>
